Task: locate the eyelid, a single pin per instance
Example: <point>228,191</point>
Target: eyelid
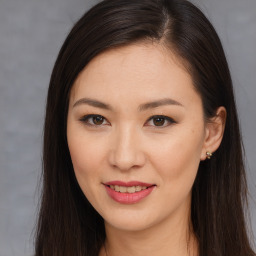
<point>85,118</point>
<point>167,118</point>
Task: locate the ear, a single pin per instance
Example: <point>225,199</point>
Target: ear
<point>214,130</point>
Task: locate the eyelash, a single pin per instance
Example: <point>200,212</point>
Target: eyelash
<point>85,119</point>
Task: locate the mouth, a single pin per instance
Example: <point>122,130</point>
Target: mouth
<point>130,189</point>
<point>128,192</point>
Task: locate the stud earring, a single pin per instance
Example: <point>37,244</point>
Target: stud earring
<point>208,155</point>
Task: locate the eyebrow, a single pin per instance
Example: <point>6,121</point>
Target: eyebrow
<point>158,103</point>
<point>93,103</point>
<point>142,107</point>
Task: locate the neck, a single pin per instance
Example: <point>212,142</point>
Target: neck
<point>173,236</point>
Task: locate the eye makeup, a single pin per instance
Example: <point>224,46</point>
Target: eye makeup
<point>159,121</point>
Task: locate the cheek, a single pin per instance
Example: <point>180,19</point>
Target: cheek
<point>87,156</point>
<point>178,158</point>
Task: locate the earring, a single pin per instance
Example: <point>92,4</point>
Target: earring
<point>208,155</point>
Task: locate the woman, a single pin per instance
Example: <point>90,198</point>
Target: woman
<point>142,149</point>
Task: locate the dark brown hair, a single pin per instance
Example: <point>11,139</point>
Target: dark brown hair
<point>67,223</point>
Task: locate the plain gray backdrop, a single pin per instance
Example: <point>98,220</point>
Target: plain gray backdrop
<point>31,34</point>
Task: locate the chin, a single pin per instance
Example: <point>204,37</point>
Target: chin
<point>129,225</point>
<point>132,222</point>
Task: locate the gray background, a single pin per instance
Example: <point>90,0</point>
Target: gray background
<point>31,33</point>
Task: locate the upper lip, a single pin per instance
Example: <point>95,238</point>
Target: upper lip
<point>129,184</point>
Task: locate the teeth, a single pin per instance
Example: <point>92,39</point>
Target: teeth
<point>131,189</point>
<point>123,189</point>
<point>138,188</point>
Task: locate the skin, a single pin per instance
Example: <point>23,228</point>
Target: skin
<point>127,145</point>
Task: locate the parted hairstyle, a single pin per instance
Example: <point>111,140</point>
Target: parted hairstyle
<point>67,223</point>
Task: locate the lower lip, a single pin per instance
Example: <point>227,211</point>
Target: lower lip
<point>128,198</point>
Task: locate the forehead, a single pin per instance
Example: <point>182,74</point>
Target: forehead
<point>141,70</point>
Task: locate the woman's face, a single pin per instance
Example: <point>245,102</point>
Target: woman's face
<point>136,136</point>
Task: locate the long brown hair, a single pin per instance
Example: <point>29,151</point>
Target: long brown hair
<point>67,223</point>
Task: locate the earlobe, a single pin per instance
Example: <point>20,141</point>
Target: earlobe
<point>214,130</point>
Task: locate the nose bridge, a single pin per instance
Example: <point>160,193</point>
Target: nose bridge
<point>126,151</point>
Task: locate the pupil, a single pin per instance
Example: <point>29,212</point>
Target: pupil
<point>97,120</point>
<point>159,121</point>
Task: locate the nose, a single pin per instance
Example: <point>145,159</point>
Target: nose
<point>126,150</point>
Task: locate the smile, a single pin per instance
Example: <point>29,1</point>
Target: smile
<point>128,193</point>
<point>123,189</point>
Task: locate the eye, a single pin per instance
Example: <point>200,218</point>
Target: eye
<point>94,120</point>
<point>160,121</point>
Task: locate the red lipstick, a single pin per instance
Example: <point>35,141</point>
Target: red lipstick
<point>128,195</point>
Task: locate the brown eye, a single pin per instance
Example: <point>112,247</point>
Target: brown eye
<point>94,120</point>
<point>98,120</point>
<point>159,121</point>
